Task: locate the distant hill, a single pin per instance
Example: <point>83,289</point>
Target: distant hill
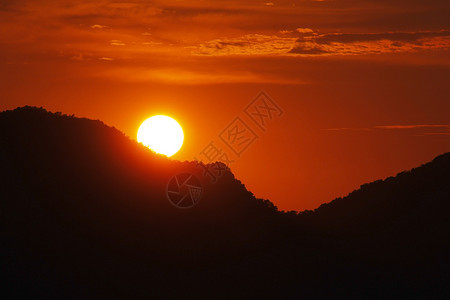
<point>85,214</point>
<point>414,200</point>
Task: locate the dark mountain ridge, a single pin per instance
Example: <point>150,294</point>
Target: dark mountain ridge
<point>418,196</point>
<point>85,214</point>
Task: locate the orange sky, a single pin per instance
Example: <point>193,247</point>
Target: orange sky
<point>363,84</point>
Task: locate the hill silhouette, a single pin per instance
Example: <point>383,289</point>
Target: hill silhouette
<point>84,214</point>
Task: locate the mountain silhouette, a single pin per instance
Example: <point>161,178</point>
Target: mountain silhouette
<point>85,214</point>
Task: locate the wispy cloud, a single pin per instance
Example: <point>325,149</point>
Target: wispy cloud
<point>307,42</point>
<point>412,126</point>
<point>371,43</point>
<point>189,77</point>
<point>97,26</point>
<point>346,129</point>
<point>251,44</point>
<point>117,43</point>
<point>148,33</point>
<point>417,129</point>
<point>436,133</point>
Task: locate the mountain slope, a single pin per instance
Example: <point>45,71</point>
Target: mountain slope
<point>77,187</point>
<point>411,201</point>
<point>84,213</point>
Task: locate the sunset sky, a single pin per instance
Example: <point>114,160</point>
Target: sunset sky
<point>362,87</point>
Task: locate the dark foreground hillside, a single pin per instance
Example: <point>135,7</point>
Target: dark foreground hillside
<point>84,214</point>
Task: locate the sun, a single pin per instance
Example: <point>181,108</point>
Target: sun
<point>162,134</point>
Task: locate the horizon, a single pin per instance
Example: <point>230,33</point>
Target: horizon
<point>164,157</point>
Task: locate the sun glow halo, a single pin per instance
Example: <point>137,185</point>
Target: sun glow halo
<point>162,134</point>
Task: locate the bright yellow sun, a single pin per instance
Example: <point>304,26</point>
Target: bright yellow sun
<point>162,134</point>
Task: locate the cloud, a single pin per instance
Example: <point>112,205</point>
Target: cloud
<point>370,37</point>
<point>304,30</point>
<point>97,26</point>
<point>251,44</point>
<point>307,42</point>
<point>117,43</point>
<point>424,129</point>
<point>147,33</point>
<point>418,129</point>
<point>412,126</point>
<point>309,49</point>
<point>371,43</point>
<point>436,133</point>
<point>190,77</point>
<point>205,28</point>
<point>346,129</point>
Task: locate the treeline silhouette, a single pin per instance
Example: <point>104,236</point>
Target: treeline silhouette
<point>84,214</point>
